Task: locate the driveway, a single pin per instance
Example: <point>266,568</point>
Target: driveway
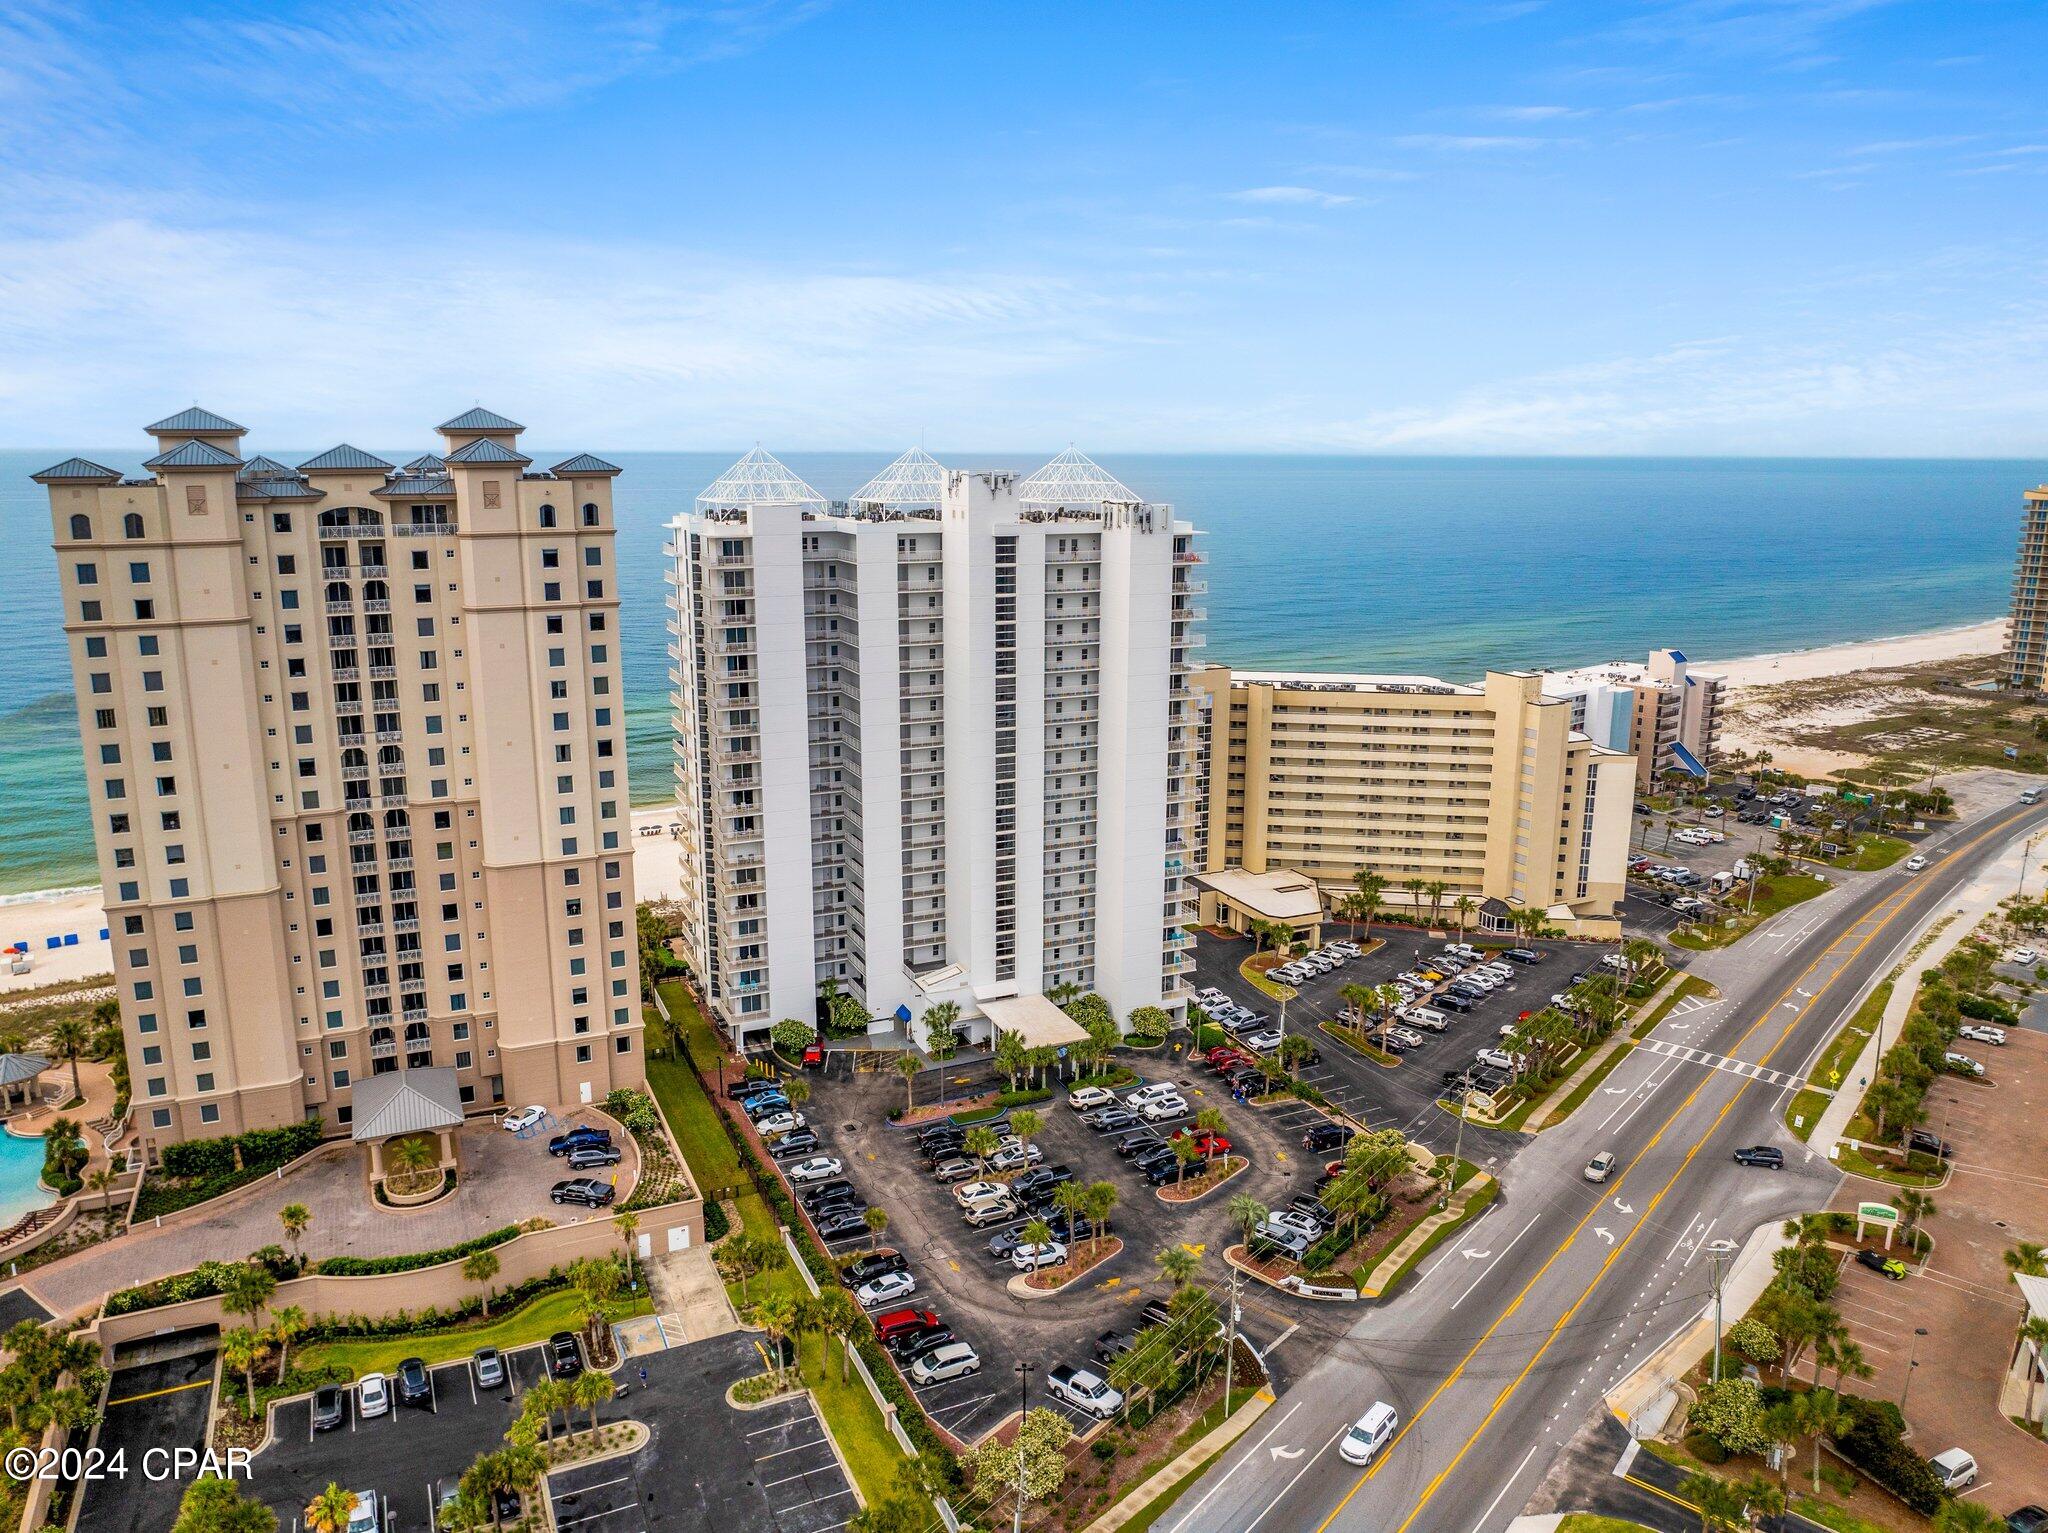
<point>1996,1196</point>
<point>503,1179</point>
<point>162,1404</point>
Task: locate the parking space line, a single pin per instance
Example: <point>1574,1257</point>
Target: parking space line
<point>780,1426</point>
<point>780,1452</point>
<point>845,1491</point>
<point>594,1516</point>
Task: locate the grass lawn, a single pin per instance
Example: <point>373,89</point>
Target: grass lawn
<point>1351,1041</point>
<point>850,1413</point>
<point>1163,1502</point>
<point>1772,895</point>
<point>534,1321</point>
<point>1253,972</point>
<point>1854,1161</point>
<point>1586,1522</point>
<point>1870,853</point>
<point>1806,1106</point>
<point>1692,984</point>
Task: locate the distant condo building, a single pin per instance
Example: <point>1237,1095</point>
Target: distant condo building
<point>934,743</point>
<point>355,742</point>
<point>2026,639</point>
<point>1488,790</point>
<point>1662,712</point>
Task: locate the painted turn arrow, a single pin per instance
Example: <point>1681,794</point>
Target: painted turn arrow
<point>1279,1452</point>
<point>1602,1231</point>
<point>1621,1207</point>
<point>1471,1255</point>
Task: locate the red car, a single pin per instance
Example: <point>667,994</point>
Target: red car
<point>897,1321</point>
<point>1208,1144</point>
<point>1220,1052</point>
<point>814,1056</point>
<point>1223,1059</point>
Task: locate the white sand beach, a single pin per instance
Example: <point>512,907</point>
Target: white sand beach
<point>1864,655</point>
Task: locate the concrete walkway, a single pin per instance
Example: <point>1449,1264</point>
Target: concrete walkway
<point>1411,1242</point>
<point>1218,1437</point>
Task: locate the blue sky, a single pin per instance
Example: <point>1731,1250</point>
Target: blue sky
<point>1673,226</point>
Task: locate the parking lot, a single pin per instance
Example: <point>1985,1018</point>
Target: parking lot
<point>162,1403</point>
<point>968,1287</point>
<point>1403,1096</point>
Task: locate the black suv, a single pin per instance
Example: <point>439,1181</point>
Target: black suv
<point>588,1191</point>
<point>1921,1142</point>
<point>414,1388</point>
<point>1328,1136</point>
<point>867,1268</point>
<point>1040,1179</point>
<point>565,1358</point>
<point>838,1190</point>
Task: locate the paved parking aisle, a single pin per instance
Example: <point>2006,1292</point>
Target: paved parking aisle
<point>164,1404</point>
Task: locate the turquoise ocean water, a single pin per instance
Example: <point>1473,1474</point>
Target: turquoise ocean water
<point>1442,565</point>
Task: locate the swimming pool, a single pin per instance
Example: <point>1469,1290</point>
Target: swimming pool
<point>21,1165</point>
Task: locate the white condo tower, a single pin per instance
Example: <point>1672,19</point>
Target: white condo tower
<point>934,742</point>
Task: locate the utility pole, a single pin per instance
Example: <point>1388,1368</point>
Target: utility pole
<point>1230,1343</point>
<point>1457,1152</point>
<point>1912,1366</point>
<point>1024,1371</point>
<point>1715,1264</point>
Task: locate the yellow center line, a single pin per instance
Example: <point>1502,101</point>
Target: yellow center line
<point>175,1389</point>
<point>1902,897</point>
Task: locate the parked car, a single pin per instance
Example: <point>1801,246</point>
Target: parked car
<point>1111,1120</point>
<point>1087,1098</point>
<point>977,1192</point>
<point>594,1157</point>
<point>1042,1177</point>
<point>1877,1261</point>
<point>781,1123</point>
<point>1327,1136</point>
<point>2027,1519</point>
<point>1980,1032</point>
<point>954,1360</point>
<point>1030,1256</point>
<point>895,1322</point>
<point>1150,1092</point>
<point>1919,1141</point>
<point>953,1169</point>
<point>817,1169</point>
<point>1962,1064</point>
<point>841,1223</point>
<point>565,1356</point>
<point>1111,1345</point>
<point>1522,955</point>
<point>765,1104</point>
<point>330,1407</point>
<point>990,1211</point>
<point>886,1289</point>
<point>1162,1109</point>
<point>523,1118</point>
<point>587,1191</point>
<point>414,1387</point>
<point>1263,1041</point>
<point>1765,1155</point>
<point>1206,1145</point>
<point>364,1514</point>
<point>1369,1434</point>
<point>1002,1245</point>
<point>802,1142</point>
<point>1955,1468</point>
<point>1132,1144</point>
<point>577,1138</point>
<point>488,1364</point>
<point>2023,955</point>
<point>876,1264</point>
<point>823,1195</point>
<point>1084,1391</point>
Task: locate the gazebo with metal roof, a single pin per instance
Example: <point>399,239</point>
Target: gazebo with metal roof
<point>402,1103</point>
<point>18,1076</point>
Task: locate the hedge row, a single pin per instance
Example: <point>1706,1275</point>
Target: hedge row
<point>1874,1445</point>
<point>262,1149</point>
<point>412,1261</point>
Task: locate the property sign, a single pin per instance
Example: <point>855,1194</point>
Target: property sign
<point>1877,1213</point>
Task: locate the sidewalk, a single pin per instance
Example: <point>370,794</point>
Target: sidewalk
<point>1394,1260</point>
<point>1214,1441</point>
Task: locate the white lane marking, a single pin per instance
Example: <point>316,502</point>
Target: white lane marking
<point>1233,1469</point>
<point>1483,1271</point>
<point>1480,1525</point>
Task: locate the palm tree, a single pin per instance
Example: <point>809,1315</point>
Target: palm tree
<point>1436,889</point>
<point>1036,1233</point>
<point>1718,1503</point>
<point>412,1156</point>
<point>212,1505</point>
<point>908,1067</point>
<point>68,1038</point>
<point>1464,904</point>
<point>1178,1265</point>
<point>296,1218</point>
<point>877,1220</point>
<point>798,1090</point>
<point>480,1267</point>
<point>1760,1498</point>
<point>776,1315</point>
<point>1351,909</point>
<point>329,1511</point>
<point>242,1349</point>
<point>592,1388</point>
<point>1370,897</point>
<point>245,1288</point>
<point>1914,1205</point>
<point>1294,1051</point>
<point>101,1182</point>
<point>1071,1199</point>
<point>1184,1155</point>
<point>1247,1213</point>
<point>1822,1414</point>
<point>2035,1333</point>
<point>2027,1260</point>
<point>1026,1125</point>
<point>1414,886</point>
<point>1210,1121</point>
<point>841,1319</point>
<point>940,1035</point>
<point>1357,997</point>
<point>1388,999</point>
<point>1102,1197</point>
<point>981,1141</point>
<point>628,1226</point>
<point>286,1326</point>
<point>1968,1517</point>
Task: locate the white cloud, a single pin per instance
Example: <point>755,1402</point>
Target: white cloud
<point>1480,142</point>
<point>1293,196</point>
<point>1532,113</point>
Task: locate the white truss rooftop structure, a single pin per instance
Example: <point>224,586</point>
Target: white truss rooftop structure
<point>914,482</point>
<point>758,479</point>
<point>1073,479</point>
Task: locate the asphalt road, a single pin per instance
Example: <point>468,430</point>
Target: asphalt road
<point>1509,1338</point>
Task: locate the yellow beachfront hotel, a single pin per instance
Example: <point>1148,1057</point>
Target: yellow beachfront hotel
<point>1485,789</point>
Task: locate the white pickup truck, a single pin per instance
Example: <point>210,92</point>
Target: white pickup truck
<point>1084,1391</point>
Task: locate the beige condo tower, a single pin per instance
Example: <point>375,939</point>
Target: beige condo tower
<point>1485,789</point>
<point>355,739</point>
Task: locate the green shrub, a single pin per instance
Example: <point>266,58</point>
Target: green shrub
<point>1754,1340</point>
<point>792,1037</point>
<point>371,1266</point>
<point>716,1225</point>
<point>1705,1449</point>
<point>262,1149</point>
<point>1985,1008</point>
<point>1150,1024</point>
<point>1873,1444</point>
<point>1731,1413</point>
<point>1024,1098</point>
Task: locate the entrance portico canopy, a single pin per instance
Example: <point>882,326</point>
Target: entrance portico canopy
<point>1037,1023</point>
<point>399,1103</point>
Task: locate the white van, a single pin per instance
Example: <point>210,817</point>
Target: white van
<point>1955,1467</point>
<point>1374,1430</point>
